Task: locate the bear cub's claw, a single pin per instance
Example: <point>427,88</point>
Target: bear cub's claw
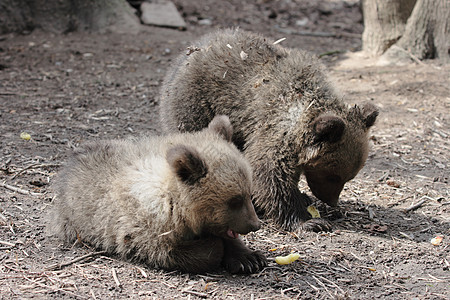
<point>317,225</point>
<point>245,262</point>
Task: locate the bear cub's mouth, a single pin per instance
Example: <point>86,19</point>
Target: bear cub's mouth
<point>232,234</point>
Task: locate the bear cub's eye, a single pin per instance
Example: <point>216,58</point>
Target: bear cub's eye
<point>236,202</point>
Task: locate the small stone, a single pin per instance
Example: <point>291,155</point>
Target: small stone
<point>161,13</point>
<point>206,22</point>
<point>302,22</point>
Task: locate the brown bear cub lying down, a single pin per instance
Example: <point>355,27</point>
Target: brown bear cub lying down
<point>176,202</point>
<point>288,119</point>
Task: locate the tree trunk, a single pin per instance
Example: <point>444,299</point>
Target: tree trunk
<point>405,29</point>
<point>67,15</point>
<point>384,23</point>
<point>427,30</point>
<point>15,16</point>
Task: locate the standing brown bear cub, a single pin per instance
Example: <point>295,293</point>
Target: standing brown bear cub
<point>287,117</point>
<point>173,202</point>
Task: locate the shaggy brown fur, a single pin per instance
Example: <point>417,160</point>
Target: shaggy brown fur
<point>174,202</point>
<point>287,117</point>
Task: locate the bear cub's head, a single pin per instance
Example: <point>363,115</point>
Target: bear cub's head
<point>215,183</point>
<point>338,150</point>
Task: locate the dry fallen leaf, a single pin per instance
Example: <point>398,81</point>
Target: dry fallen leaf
<point>393,183</point>
<point>376,227</point>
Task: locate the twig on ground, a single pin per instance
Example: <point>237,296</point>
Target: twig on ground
<point>17,270</point>
<point>438,279</point>
<point>142,272</point>
<point>418,204</point>
<point>323,285</point>
<point>62,265</point>
<point>314,287</point>
<point>35,166</point>
<point>383,177</point>
<point>329,281</point>
<point>408,236</point>
<point>305,33</point>
<point>400,200</point>
<point>18,190</point>
<point>440,295</point>
<point>116,279</point>
<point>395,286</point>
<point>198,294</point>
<point>286,290</point>
<point>415,206</point>
<point>273,227</point>
<point>36,282</point>
<point>317,33</point>
<point>4,219</point>
<point>161,281</point>
<point>371,213</point>
<point>333,52</point>
<point>7,243</point>
<point>356,256</point>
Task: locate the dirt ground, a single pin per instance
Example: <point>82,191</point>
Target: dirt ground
<point>64,90</point>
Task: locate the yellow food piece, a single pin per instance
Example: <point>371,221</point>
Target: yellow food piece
<point>313,211</point>
<point>285,260</point>
<point>372,269</point>
<point>436,241</point>
<point>25,136</point>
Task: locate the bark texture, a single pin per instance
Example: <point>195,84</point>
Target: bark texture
<point>15,16</point>
<point>427,30</point>
<point>404,29</point>
<point>384,23</point>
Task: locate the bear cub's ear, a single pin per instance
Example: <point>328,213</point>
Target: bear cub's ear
<point>187,163</point>
<point>369,114</point>
<point>221,124</point>
<point>328,128</point>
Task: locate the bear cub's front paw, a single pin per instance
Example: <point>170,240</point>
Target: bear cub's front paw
<point>245,262</point>
<point>317,225</point>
